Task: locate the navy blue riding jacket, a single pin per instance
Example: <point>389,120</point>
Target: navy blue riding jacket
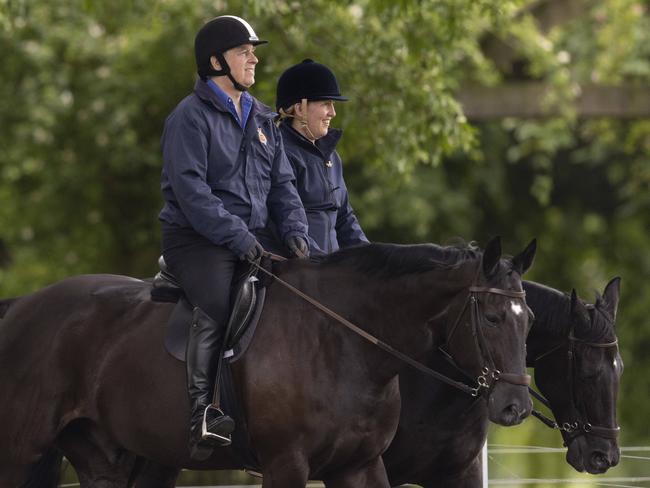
<point>222,180</point>
<point>319,179</point>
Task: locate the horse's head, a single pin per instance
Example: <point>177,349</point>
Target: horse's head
<point>498,319</point>
<point>580,379</point>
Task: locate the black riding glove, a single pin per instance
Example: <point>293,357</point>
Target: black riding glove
<point>298,247</point>
<point>255,252</point>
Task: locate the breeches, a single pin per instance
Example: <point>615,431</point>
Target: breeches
<point>204,270</point>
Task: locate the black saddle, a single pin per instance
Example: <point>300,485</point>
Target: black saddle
<point>246,307</point>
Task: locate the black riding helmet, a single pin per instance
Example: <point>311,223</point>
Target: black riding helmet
<point>215,38</point>
<point>309,80</point>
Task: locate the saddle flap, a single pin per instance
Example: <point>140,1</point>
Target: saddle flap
<point>246,310</point>
<point>242,310</point>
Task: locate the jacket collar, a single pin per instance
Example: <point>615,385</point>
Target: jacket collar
<point>258,110</point>
<point>205,93</point>
<point>325,145</point>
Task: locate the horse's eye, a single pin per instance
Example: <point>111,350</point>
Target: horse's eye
<point>492,319</point>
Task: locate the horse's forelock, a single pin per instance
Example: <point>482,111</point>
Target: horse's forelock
<point>599,328</point>
<point>602,324</point>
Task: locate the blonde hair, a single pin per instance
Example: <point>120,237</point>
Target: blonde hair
<point>283,114</point>
<point>290,113</point>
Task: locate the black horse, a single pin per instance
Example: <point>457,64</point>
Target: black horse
<point>84,371</point>
<point>573,348</point>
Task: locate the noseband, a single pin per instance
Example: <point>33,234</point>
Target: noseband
<point>573,429</point>
<point>489,373</point>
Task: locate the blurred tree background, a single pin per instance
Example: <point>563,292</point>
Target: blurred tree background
<point>466,118</point>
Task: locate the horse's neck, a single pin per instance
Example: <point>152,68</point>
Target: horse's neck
<point>552,310</point>
<point>429,299</point>
<point>422,306</point>
<point>394,310</point>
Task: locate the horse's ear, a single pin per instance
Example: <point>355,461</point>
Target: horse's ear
<point>578,309</point>
<point>611,296</point>
<point>524,260</point>
<point>491,256</point>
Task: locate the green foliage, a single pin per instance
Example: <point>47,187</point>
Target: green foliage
<point>87,85</point>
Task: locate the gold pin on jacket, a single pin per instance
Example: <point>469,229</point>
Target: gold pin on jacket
<point>261,135</point>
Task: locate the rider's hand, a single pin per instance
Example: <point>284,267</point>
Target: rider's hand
<point>298,247</point>
<point>255,252</point>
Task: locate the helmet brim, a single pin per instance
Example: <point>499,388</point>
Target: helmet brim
<point>338,98</point>
<point>286,105</point>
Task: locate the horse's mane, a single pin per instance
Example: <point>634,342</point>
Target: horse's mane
<point>552,309</point>
<point>551,306</point>
<point>393,260</point>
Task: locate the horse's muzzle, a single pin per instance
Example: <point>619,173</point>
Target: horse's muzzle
<point>584,456</point>
<point>509,404</point>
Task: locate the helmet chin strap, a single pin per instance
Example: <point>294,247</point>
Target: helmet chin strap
<point>236,84</point>
<point>225,71</point>
<point>303,122</point>
<point>291,114</point>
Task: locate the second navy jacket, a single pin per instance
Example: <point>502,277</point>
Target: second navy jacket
<point>319,179</point>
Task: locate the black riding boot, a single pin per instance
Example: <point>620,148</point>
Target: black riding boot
<point>209,426</point>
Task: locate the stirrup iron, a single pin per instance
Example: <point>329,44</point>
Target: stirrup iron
<point>211,437</point>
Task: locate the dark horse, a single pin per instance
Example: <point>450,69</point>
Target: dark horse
<point>573,348</point>
<point>84,372</point>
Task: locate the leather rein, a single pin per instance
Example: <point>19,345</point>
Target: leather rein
<point>490,375</point>
<point>573,429</point>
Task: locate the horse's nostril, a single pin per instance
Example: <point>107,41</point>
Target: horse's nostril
<point>512,413</point>
<point>600,460</point>
<point>516,412</point>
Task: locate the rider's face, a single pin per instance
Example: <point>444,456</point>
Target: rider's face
<point>242,61</point>
<point>318,115</point>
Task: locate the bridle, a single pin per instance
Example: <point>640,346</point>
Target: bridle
<point>571,430</point>
<point>489,374</point>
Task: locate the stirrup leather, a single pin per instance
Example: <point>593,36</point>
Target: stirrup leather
<point>206,435</point>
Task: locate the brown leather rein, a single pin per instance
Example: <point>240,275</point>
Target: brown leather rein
<point>484,382</point>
